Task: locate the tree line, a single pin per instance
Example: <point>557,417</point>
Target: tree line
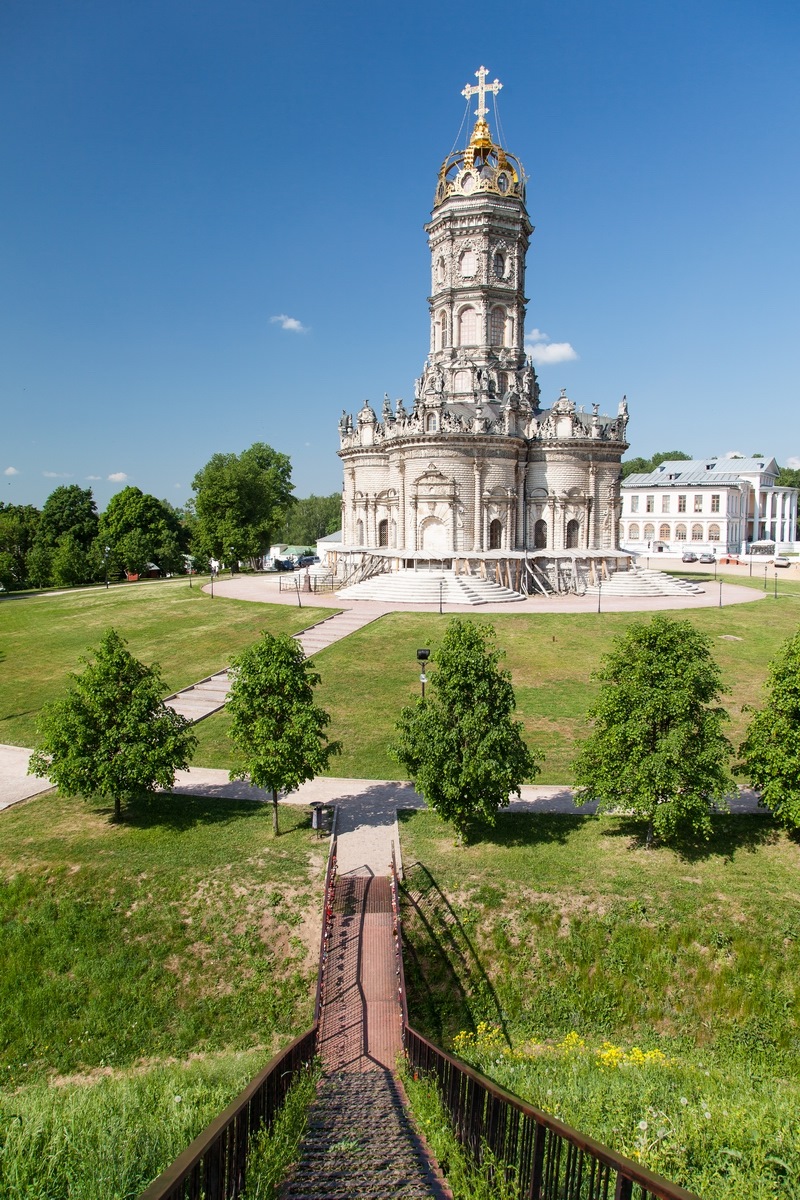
<point>242,504</point>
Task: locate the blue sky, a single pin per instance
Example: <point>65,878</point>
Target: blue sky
<point>179,173</point>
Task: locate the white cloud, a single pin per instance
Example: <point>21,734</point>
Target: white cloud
<point>733,454</point>
<point>792,461</point>
<point>177,485</point>
<point>57,474</point>
<point>290,323</point>
<point>546,353</point>
<point>11,471</point>
<point>118,477</point>
<point>94,477</point>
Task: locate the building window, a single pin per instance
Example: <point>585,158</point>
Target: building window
<point>431,426</point>
<point>540,535</point>
<point>663,533</point>
<point>462,381</point>
<point>715,503</point>
<point>649,532</point>
<point>634,503</point>
<point>713,533</point>
<point>468,264</point>
<point>383,533</point>
<point>441,337</point>
<point>572,535</point>
<point>665,504</point>
<point>499,265</point>
<point>698,503</point>
<point>496,535</point>
<point>681,504</point>
<point>697,533</point>
<point>359,533</point>
<point>680,533</point>
<point>633,531</point>
<point>650,504</point>
<point>468,327</point>
<point>497,326</point>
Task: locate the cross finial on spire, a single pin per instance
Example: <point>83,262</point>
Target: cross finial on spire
<point>480,91</point>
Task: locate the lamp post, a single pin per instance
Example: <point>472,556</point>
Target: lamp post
<point>441,585</point>
<point>212,583</point>
<point>766,565</point>
<point>599,592</point>
<point>233,560</point>
<point>776,585</point>
<point>422,658</point>
<point>105,563</point>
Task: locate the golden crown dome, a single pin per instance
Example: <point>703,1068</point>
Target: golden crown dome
<point>483,166</point>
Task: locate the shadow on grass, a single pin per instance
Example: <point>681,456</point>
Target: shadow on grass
<point>183,813</point>
<point>530,829</point>
<point>730,833</point>
<point>450,988</point>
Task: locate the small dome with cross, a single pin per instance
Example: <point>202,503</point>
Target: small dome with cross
<point>483,166</point>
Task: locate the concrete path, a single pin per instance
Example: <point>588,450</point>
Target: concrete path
<point>15,782</point>
<point>208,695</point>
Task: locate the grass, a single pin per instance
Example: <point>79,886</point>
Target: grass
<point>170,954</point>
<point>557,926</point>
<point>42,638</point>
<point>273,1151</point>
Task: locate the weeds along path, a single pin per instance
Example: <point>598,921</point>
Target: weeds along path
<point>208,695</point>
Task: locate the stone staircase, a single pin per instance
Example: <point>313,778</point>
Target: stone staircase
<point>208,695</point>
<point>641,581</point>
<point>427,587</point>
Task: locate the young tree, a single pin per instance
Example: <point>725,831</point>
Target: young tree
<point>460,746</point>
<point>111,737</point>
<point>277,729</point>
<point>657,748</point>
<point>241,501</point>
<point>771,749</point>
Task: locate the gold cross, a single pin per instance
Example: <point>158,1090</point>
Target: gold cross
<point>481,90</point>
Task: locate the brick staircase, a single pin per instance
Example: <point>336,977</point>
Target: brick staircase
<point>643,582</point>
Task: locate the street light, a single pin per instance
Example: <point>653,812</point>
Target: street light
<point>599,592</point>
<point>105,563</point>
<point>422,658</point>
<point>233,559</point>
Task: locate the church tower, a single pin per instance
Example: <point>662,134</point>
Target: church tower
<point>478,235</point>
<point>475,476</point>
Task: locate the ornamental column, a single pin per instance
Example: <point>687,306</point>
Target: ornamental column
<point>476,519</point>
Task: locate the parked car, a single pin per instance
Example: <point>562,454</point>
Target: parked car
<point>307,560</point>
<point>688,556</point>
<point>780,561</point>
<point>706,557</point>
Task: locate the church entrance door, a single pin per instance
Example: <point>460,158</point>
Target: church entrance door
<point>433,536</point>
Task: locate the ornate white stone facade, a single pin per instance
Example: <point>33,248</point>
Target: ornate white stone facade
<point>475,464</point>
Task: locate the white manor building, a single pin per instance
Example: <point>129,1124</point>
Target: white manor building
<point>475,476</point>
<point>715,504</point>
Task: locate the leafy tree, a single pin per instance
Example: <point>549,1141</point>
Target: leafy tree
<point>642,466</point>
<point>18,526</point>
<point>69,564</point>
<point>312,518</point>
<point>657,748</point>
<point>277,729</point>
<point>140,529</point>
<point>69,509</point>
<point>461,747</point>
<point>111,737</point>
<point>39,565</point>
<point>771,749</point>
<point>241,502</point>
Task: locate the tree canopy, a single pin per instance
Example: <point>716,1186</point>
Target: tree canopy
<point>18,527</point>
<point>657,748</point>
<point>642,466</point>
<point>111,737</point>
<point>140,529</point>
<point>771,748</point>
<point>69,509</point>
<point>242,501</point>
<point>277,730</point>
<point>312,518</point>
<point>464,752</point>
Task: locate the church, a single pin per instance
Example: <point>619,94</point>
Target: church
<point>476,477</point>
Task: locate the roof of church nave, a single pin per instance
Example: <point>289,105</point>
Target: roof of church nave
<point>483,165</point>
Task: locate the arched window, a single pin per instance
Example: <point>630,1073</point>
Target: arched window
<point>497,326</point>
<point>649,533</point>
<point>431,425</point>
<point>359,533</point>
<point>496,535</point>
<point>468,327</point>
<point>462,381</point>
<point>713,533</point>
<point>540,535</point>
<point>697,533</point>
<point>441,331</point>
<point>633,531</point>
<point>383,533</point>
<point>502,382</point>
<point>572,534</point>
<point>663,533</point>
<point>468,264</point>
<point>499,263</point>
<point>680,533</point>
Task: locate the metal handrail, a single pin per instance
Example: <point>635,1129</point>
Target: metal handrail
<point>398,942</point>
<point>214,1166</point>
<point>547,1158</point>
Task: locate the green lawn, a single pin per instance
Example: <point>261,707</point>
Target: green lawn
<point>582,952</point>
<point>42,638</point>
<point>166,955</point>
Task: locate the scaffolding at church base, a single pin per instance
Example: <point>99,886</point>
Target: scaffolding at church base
<point>525,572</point>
